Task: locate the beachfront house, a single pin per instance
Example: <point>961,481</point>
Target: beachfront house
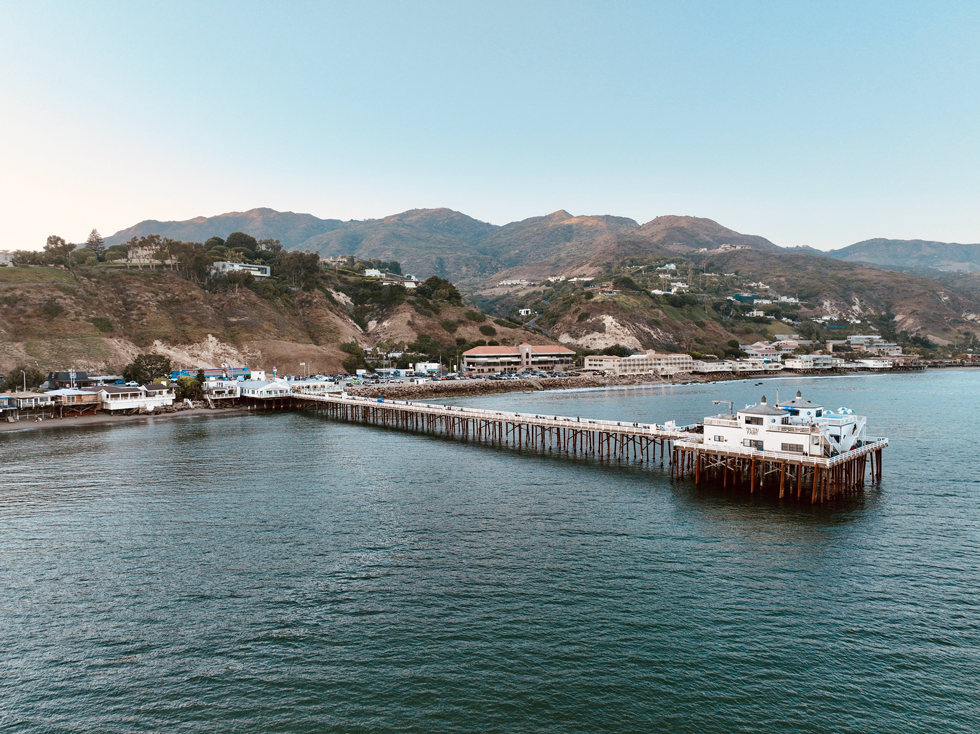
<point>125,398</point>
<point>33,403</point>
<point>8,409</point>
<point>73,401</point>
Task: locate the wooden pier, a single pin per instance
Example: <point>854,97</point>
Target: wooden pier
<point>819,478</point>
<point>574,436</point>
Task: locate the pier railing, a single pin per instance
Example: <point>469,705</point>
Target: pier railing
<point>554,421</point>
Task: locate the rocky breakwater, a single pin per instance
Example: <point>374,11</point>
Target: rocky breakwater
<point>449,388</point>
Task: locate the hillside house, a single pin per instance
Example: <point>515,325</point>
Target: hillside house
<point>224,267</point>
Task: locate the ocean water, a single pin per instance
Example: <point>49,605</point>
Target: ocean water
<point>289,573</point>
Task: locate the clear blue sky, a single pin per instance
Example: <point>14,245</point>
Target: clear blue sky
<point>818,124</point>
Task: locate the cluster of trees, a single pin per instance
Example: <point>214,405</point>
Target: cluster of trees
<point>147,368</point>
<point>57,251</point>
<point>22,375</point>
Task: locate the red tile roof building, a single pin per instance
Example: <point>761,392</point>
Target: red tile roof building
<point>483,360</point>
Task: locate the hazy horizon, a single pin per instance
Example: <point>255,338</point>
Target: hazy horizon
<point>807,124</point>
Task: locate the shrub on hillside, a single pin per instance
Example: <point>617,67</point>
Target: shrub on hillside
<point>102,324</point>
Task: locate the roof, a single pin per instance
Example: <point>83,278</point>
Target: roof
<point>547,349</point>
<point>798,402</point>
<point>24,395</point>
<point>119,389</point>
<point>491,351</point>
<point>259,384</point>
<point>763,408</point>
<point>156,387</point>
<point>72,391</point>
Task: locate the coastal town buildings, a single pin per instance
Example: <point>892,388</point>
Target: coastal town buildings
<point>487,360</point>
<point>650,362</point>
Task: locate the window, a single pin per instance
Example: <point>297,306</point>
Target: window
<point>819,413</point>
<point>752,444</point>
<point>720,439</point>
<point>796,448</point>
<point>753,420</point>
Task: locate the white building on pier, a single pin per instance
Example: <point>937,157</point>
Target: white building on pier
<point>797,426</point>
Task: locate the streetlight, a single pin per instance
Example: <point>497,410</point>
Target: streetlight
<point>731,405</point>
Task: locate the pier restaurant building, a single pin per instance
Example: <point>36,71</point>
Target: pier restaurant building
<point>797,426</point>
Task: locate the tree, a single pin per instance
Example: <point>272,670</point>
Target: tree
<point>439,289</point>
<point>617,350</point>
<point>96,244</point>
<point>14,381</point>
<point>189,388</point>
<point>116,252</point>
<point>302,269</point>
<point>238,240</point>
<point>146,368</point>
<point>58,250</point>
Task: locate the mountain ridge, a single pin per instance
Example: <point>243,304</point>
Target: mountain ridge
<point>889,253</point>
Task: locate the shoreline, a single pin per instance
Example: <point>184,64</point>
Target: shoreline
<point>492,387</point>
<point>103,419</point>
<point>428,391</point>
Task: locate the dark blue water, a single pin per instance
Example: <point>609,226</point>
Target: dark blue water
<point>288,573</point>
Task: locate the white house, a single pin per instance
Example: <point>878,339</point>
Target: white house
<point>811,362</point>
<point>875,364</point>
<point>149,397</point>
<point>259,271</point>
<point>794,427</point>
<point>712,366</point>
<point>222,389</point>
<point>372,273</point>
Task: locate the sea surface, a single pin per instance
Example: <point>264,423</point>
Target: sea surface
<point>290,573</point>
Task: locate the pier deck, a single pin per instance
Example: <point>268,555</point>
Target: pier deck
<point>566,434</point>
<point>819,478</point>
